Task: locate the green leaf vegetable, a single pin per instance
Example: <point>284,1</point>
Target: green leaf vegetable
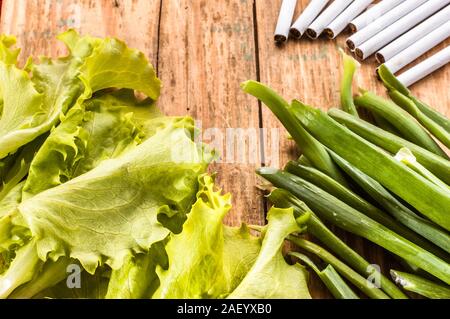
<point>217,263</point>
<point>400,119</point>
<point>337,212</point>
<point>399,211</point>
<point>284,199</point>
<point>270,275</point>
<point>350,68</point>
<point>357,202</point>
<point>330,277</point>
<point>315,152</point>
<point>422,194</point>
<point>94,178</point>
<point>420,285</point>
<point>393,84</point>
<point>56,85</point>
<point>392,143</point>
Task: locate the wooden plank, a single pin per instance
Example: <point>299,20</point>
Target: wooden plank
<point>35,23</point>
<point>206,50</point>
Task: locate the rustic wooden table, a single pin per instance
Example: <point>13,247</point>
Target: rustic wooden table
<point>202,51</point>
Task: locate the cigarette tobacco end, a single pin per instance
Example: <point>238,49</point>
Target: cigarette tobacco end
<point>380,58</point>
<point>279,38</point>
<point>350,44</point>
<point>311,33</point>
<point>329,33</point>
<point>359,54</point>
<point>352,28</point>
<point>295,33</point>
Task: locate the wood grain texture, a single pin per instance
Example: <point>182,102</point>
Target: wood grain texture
<point>203,50</point>
<point>35,23</point>
<point>206,50</point>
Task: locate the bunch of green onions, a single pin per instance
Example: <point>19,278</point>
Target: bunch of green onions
<point>388,183</point>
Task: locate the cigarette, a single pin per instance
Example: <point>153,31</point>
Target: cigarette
<point>372,14</point>
<point>411,36</point>
<point>284,20</point>
<point>426,67</point>
<point>419,47</point>
<point>397,28</point>
<point>308,15</point>
<point>381,23</point>
<point>327,16</point>
<point>339,24</point>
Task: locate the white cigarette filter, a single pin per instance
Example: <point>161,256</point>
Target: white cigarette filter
<point>339,24</point>
<point>426,67</point>
<point>284,20</point>
<point>373,13</point>
<point>383,22</point>
<point>326,17</point>
<point>397,28</point>
<point>411,36</point>
<point>308,15</point>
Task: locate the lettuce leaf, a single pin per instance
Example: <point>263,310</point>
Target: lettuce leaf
<point>57,85</point>
<point>93,286</point>
<point>270,275</point>
<point>203,261</point>
<point>123,205</point>
<point>137,278</point>
<point>13,231</point>
<point>7,54</point>
<point>16,169</point>
<point>101,129</point>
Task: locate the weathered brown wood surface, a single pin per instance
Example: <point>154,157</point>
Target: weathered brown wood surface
<point>203,50</point>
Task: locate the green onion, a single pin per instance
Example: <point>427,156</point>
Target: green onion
<point>284,199</point>
<point>404,122</point>
<point>399,211</point>
<point>420,285</point>
<point>382,123</point>
<point>335,284</point>
<point>408,105</point>
<point>423,195</point>
<point>352,276</point>
<point>392,143</point>
<point>405,156</point>
<point>392,83</point>
<point>315,152</point>
<point>342,215</point>
<point>304,161</point>
<point>344,194</point>
<point>350,67</point>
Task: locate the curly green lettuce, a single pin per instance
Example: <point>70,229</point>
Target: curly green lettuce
<point>123,205</point>
<point>203,261</point>
<point>270,275</point>
<point>56,85</point>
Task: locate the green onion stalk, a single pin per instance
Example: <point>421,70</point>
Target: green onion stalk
<point>342,215</point>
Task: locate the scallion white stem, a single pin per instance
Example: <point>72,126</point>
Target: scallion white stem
<point>339,24</point>
<point>373,13</point>
<point>382,23</point>
<point>327,16</point>
<point>399,27</point>
<point>307,17</point>
<point>405,156</point>
<point>411,36</point>
<point>284,20</point>
<point>426,67</point>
